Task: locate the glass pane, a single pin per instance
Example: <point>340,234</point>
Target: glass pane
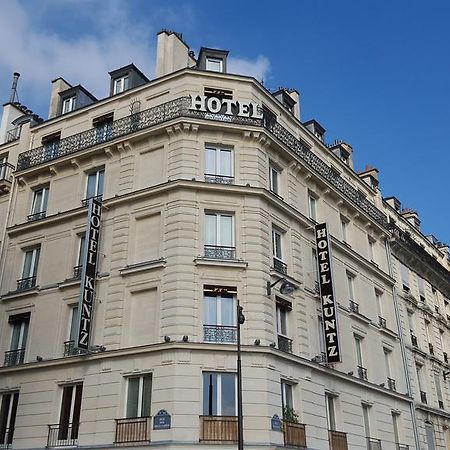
<point>27,264</point>
<point>15,335</point>
<point>146,396</point>
<point>226,231</point>
<point>37,253</point>
<point>210,229</point>
<point>228,394</point>
<point>288,402</point>
<point>44,199</point>
<point>92,179</point>
<point>330,413</point>
<point>23,342</point>
<point>125,83</point>
<point>82,250</point>
<point>228,312</point>
<point>74,324</point>
<point>210,161</point>
<point>283,321</point>
<point>132,397</point>
<point>277,245</point>
<point>209,394</point>
<point>210,316</point>
<point>101,177</point>
<point>225,163</point>
<point>37,201</point>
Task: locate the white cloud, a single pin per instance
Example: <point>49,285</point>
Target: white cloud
<point>258,68</point>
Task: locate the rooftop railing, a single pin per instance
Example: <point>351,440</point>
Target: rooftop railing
<point>180,107</point>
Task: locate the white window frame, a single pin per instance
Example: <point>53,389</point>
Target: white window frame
<point>344,229</point>
<point>119,84</point>
<point>69,104</point>
<point>3,161</point>
<point>23,338</point>
<point>219,390</point>
<point>312,207</point>
<point>39,208</point>
<point>218,320</point>
<point>379,302</point>
<point>330,401</point>
<point>387,361</point>
<point>95,173</point>
<point>218,160</point>
<point>285,385</point>
<point>274,179</point>
<point>351,286</point>
<point>282,310</point>
<point>140,393</point>
<point>214,61</point>
<point>35,254</point>
<point>371,243</point>
<point>277,250</point>
<point>74,311</point>
<point>218,224</point>
<point>358,349</point>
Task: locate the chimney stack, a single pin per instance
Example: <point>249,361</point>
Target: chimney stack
<point>13,95</point>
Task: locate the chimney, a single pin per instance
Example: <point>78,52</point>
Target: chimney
<point>58,85</point>
<point>412,217</point>
<point>370,177</point>
<point>172,53</point>
<point>13,95</point>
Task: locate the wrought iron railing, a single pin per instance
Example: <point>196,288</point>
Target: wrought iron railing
<point>77,270</point>
<point>337,440</point>
<point>218,428</point>
<point>14,357</point>
<point>37,216</point>
<point>180,107</point>
<point>353,306</point>
<point>373,444</point>
<point>220,252</point>
<point>6,437</point>
<point>221,179</point>
<point>362,373</point>
<point>423,397</point>
<point>13,135</point>
<point>26,283</point>
<point>6,170</point>
<point>219,333</point>
<point>284,344</point>
<point>279,266</point>
<point>62,435</point>
<point>414,340</point>
<point>294,434</point>
<point>133,429</point>
<point>85,201</point>
<point>70,349</point>
<point>382,322</point>
<point>391,384</point>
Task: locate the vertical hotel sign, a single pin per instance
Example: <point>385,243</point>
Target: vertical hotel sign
<point>89,273</point>
<point>329,308</point>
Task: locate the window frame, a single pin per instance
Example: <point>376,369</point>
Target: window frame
<point>43,202</point>
<point>121,84</point>
<point>274,182</point>
<point>69,104</point>
<point>218,228</point>
<point>218,394</point>
<point>140,395</point>
<point>218,161</point>
<point>211,60</point>
<point>34,264</point>
<point>8,419</point>
<point>312,207</point>
<point>277,249</point>
<point>95,173</point>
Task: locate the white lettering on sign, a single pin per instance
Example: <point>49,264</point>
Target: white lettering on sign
<point>225,106</point>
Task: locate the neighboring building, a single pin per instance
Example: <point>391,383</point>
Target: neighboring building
<point>211,187</point>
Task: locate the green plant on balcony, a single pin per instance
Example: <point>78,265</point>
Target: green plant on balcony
<point>290,415</point>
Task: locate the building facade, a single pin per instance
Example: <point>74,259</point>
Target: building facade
<point>211,187</point>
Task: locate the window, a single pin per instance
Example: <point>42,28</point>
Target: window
<point>3,162</point>
<point>39,205</point>
<point>322,346</point>
<point>219,394</point>
<point>69,344</point>
<point>366,419</point>
<point>120,84</point>
<point>286,395</point>
<point>219,165</point>
<point>282,311</point>
<point>312,207</point>
<point>69,104</point>
<point>431,440</point>
<point>69,417</point>
<point>404,272</point>
<point>8,411</point>
<point>315,269</point>
<point>350,286</point>
<point>95,184</point>
<point>371,248</point>
<point>219,236</point>
<point>420,381</point>
<point>331,412</point>
<point>81,250</point>
<point>277,250</point>
<point>219,314</point>
<point>395,418</point>
<point>379,302</point>
<point>214,64</point>
<point>19,335</point>
<point>421,286</point>
<point>362,371</point>
<point>274,180</point>
<point>30,268</point>
<point>139,395</point>
<point>387,361</point>
<point>103,128</point>
<point>344,229</point>
<point>437,383</point>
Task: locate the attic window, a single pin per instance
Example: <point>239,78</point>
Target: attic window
<point>120,84</point>
<point>69,104</point>
<point>219,93</point>
<point>214,64</point>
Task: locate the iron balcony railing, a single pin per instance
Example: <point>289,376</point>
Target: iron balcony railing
<point>219,428</point>
<point>26,283</point>
<point>70,349</point>
<point>294,434</point>
<point>362,373</point>
<point>220,179</point>
<point>279,266</point>
<point>62,435</point>
<point>284,344</point>
<point>6,170</point>
<point>180,107</point>
<point>220,252</point>
<point>354,307</point>
<point>382,322</point>
<point>6,437</point>
<point>14,357</point>
<point>13,135</point>
<point>373,444</point>
<point>77,270</point>
<point>133,429</point>
<point>414,340</point>
<point>37,216</point>
<point>337,440</point>
<point>391,384</point>
<point>85,201</point>
<point>219,333</point>
<point>423,397</point>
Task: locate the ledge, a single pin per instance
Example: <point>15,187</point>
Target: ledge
<point>388,332</point>
<point>143,266</point>
<point>234,263</point>
<point>20,294</point>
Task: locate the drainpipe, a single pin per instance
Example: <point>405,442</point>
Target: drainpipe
<point>412,404</point>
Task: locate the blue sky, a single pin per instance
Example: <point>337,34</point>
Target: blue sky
<point>375,74</point>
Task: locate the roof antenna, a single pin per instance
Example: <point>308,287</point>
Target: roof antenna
<point>14,94</point>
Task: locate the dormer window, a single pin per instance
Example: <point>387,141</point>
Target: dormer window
<point>120,84</point>
<point>69,104</point>
<point>214,64</point>
<point>212,59</point>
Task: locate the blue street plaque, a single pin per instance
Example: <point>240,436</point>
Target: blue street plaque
<point>276,423</point>
<point>162,420</point>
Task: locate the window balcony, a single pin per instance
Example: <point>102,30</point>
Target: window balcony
<point>134,429</point>
<point>63,435</point>
<point>423,397</point>
<point>431,348</point>
<point>14,134</point>
<point>220,252</point>
<point>414,340</point>
<point>382,322</point>
<point>362,373</point>
<point>294,435</point>
<point>6,437</point>
<point>70,349</point>
<point>284,344</point>
<point>26,283</point>
<point>77,270</point>
<point>6,171</point>
<point>441,404</point>
<point>219,428</point>
<point>220,179</point>
<point>373,444</point>
<point>391,384</point>
<point>219,333</point>
<point>279,266</point>
<point>444,354</point>
<point>354,307</point>
<point>37,216</point>
<point>14,357</point>
<point>399,446</point>
<point>337,440</point>
<point>85,201</point>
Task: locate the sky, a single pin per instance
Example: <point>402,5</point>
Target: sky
<point>375,74</point>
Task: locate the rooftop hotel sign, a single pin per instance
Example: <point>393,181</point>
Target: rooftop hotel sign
<point>226,107</point>
<point>89,273</point>
<point>328,301</point>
